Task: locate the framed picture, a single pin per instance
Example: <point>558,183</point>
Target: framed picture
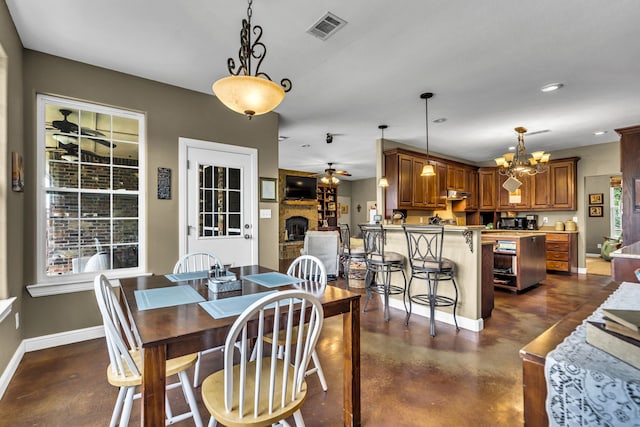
<point>344,209</point>
<point>595,210</point>
<point>268,189</point>
<point>595,198</point>
<point>164,184</point>
<point>17,172</point>
<point>636,194</point>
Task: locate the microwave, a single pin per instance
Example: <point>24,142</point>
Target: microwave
<point>517,223</point>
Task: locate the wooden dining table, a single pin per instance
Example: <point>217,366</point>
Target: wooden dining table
<point>178,330</point>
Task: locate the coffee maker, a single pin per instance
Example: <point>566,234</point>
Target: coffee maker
<point>531,222</point>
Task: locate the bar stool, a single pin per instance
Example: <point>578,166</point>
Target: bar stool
<point>380,265</point>
<point>347,254</point>
<point>424,244</point>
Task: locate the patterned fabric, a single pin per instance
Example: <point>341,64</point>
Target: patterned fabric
<point>587,386</point>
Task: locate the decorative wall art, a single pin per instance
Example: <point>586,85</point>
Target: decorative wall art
<point>595,210</point>
<point>164,183</point>
<point>595,198</point>
<point>17,172</point>
<point>268,189</point>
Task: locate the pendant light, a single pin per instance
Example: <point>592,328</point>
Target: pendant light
<point>383,182</point>
<point>242,92</point>
<point>427,169</point>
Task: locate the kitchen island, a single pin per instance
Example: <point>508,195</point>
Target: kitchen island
<point>462,245</point>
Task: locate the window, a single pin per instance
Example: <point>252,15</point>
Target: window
<point>616,211</point>
<point>91,203</point>
<point>220,201</point>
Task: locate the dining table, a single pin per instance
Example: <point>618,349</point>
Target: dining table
<point>172,320</point>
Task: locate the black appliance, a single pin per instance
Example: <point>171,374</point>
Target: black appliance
<point>531,222</point>
<point>517,223</point>
<point>300,188</point>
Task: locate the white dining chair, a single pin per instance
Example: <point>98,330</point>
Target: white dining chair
<point>126,369</point>
<point>198,261</point>
<point>268,389</point>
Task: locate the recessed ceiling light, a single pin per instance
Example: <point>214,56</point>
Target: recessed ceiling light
<point>440,120</point>
<point>512,148</point>
<point>305,145</point>
<point>600,132</point>
<point>282,138</point>
<point>551,87</point>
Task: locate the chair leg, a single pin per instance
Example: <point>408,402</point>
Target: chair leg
<point>212,422</point>
<point>455,302</point>
<point>367,283</point>
<point>318,370</point>
<point>196,371</point>
<point>191,399</point>
<point>433,290</point>
<point>118,406</point>
<point>345,269</point>
<point>297,416</point>
<point>387,285</point>
<point>408,295</point>
<point>126,410</point>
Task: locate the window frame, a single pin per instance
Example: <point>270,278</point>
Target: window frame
<point>84,279</point>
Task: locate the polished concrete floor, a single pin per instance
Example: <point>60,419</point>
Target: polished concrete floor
<point>408,378</point>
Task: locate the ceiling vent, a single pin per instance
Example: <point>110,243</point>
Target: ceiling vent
<point>326,26</point>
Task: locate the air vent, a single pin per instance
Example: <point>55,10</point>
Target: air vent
<point>537,132</point>
<point>326,26</point>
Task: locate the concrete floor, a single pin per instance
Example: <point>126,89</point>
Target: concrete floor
<point>408,378</point>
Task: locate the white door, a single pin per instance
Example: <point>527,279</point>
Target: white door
<point>218,201</point>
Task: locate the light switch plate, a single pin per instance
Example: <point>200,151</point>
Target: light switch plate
<point>265,213</point>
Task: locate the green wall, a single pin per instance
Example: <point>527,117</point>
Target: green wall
<point>11,230</point>
<point>171,112</point>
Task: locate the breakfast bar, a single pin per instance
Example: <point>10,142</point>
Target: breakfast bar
<point>463,246</point>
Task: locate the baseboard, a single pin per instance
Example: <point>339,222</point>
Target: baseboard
<point>42,342</point>
<point>63,338</point>
<point>474,325</point>
<point>11,368</point>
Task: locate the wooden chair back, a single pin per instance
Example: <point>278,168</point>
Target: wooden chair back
<point>197,261</point>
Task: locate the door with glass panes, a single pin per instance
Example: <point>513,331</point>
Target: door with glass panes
<point>221,202</point>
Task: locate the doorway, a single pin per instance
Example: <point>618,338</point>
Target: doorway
<point>218,201</point>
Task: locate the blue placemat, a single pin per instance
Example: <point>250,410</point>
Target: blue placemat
<point>231,306</point>
<point>193,275</point>
<point>166,297</point>
<point>272,279</point>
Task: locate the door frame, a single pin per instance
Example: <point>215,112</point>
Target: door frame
<point>183,209</point>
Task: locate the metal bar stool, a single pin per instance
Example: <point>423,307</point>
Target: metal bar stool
<point>424,244</point>
<point>380,266</point>
<point>348,255</point>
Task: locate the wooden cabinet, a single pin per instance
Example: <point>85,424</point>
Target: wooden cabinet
<point>487,183</point>
<point>471,186</point>
<point>504,202</point>
<point>562,252</point>
<point>556,188</point>
<point>419,185</point>
<point>455,178</point>
<point>327,205</point>
<point>518,260</point>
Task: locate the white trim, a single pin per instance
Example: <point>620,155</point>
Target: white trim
<point>63,338</point>
<point>11,369</point>
<point>183,209</point>
<point>5,307</point>
<point>42,342</point>
<point>48,289</point>
<point>475,325</point>
<point>582,270</point>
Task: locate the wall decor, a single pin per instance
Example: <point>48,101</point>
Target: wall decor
<point>595,210</point>
<point>268,189</point>
<point>164,183</point>
<point>636,194</point>
<point>17,172</point>
<point>595,198</point>
<point>344,209</point>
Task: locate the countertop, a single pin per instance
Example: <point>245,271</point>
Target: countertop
<point>446,227</point>
<point>541,230</point>
<point>511,235</point>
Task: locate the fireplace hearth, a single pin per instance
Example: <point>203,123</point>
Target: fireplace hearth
<point>296,227</point>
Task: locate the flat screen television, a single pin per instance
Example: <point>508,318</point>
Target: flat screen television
<point>300,188</point>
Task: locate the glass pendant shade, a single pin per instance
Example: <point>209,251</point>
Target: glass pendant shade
<point>383,182</point>
<point>427,170</point>
<point>248,95</point>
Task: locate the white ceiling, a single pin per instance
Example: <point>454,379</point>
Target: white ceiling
<point>485,60</point>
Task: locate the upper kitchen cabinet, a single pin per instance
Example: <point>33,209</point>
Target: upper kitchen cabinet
<point>518,200</point>
<point>555,189</point>
<point>455,178</point>
<point>487,183</point>
<point>471,186</point>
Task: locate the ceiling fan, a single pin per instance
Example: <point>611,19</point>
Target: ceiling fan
<point>328,177</point>
<point>67,127</point>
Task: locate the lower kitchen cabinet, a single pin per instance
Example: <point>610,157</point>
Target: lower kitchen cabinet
<point>562,252</point>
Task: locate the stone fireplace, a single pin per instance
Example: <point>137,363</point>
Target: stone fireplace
<point>296,227</point>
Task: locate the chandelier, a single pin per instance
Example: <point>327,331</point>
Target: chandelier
<point>516,164</point>
<point>242,92</point>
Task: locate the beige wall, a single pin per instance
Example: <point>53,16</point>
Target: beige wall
<point>171,113</point>
<point>362,191</point>
<point>11,267</point>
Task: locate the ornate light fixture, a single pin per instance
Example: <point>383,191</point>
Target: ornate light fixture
<point>427,169</point>
<point>516,164</point>
<point>242,92</point>
<point>383,181</point>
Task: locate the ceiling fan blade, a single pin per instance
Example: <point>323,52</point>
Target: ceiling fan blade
<point>343,173</point>
<point>65,125</point>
